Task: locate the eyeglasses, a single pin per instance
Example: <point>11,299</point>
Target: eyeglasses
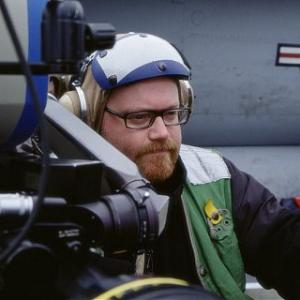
<point>145,119</point>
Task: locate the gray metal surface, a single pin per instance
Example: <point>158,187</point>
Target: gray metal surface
<point>242,98</point>
<point>277,167</point>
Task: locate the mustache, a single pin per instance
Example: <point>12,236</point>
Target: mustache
<point>168,145</point>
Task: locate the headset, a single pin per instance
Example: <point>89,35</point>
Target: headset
<point>75,84</point>
<point>135,56</point>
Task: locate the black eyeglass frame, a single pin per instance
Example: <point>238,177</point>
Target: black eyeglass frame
<point>155,114</point>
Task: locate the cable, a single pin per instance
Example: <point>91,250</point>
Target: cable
<point>135,285</point>
<point>44,140</point>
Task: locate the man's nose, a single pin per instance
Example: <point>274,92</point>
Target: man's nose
<point>158,130</point>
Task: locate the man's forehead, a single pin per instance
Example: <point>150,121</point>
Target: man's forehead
<point>150,95</point>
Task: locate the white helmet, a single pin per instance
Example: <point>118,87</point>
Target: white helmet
<point>138,56</point>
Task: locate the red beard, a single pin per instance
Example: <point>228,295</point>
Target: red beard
<point>156,161</point>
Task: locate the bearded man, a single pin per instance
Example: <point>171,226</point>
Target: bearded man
<point>221,222</point>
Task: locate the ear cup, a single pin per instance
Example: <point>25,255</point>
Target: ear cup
<point>75,99</point>
<point>70,100</point>
<point>86,101</point>
<point>186,93</point>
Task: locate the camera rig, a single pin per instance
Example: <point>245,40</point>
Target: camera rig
<point>70,203</point>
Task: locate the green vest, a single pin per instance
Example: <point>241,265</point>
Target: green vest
<point>207,206</point>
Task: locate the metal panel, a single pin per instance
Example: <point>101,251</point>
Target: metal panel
<point>242,97</point>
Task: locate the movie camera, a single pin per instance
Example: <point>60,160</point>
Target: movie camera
<point>71,205</point>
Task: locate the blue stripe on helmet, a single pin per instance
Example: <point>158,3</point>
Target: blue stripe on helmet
<point>162,68</point>
<point>28,119</point>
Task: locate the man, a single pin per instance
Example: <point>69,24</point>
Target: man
<point>220,220</point>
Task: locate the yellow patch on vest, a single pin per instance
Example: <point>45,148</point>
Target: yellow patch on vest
<point>212,212</point>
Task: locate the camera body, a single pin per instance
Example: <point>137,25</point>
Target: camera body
<point>87,237</point>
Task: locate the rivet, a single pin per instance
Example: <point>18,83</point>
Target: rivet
<point>162,66</point>
<point>113,79</point>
